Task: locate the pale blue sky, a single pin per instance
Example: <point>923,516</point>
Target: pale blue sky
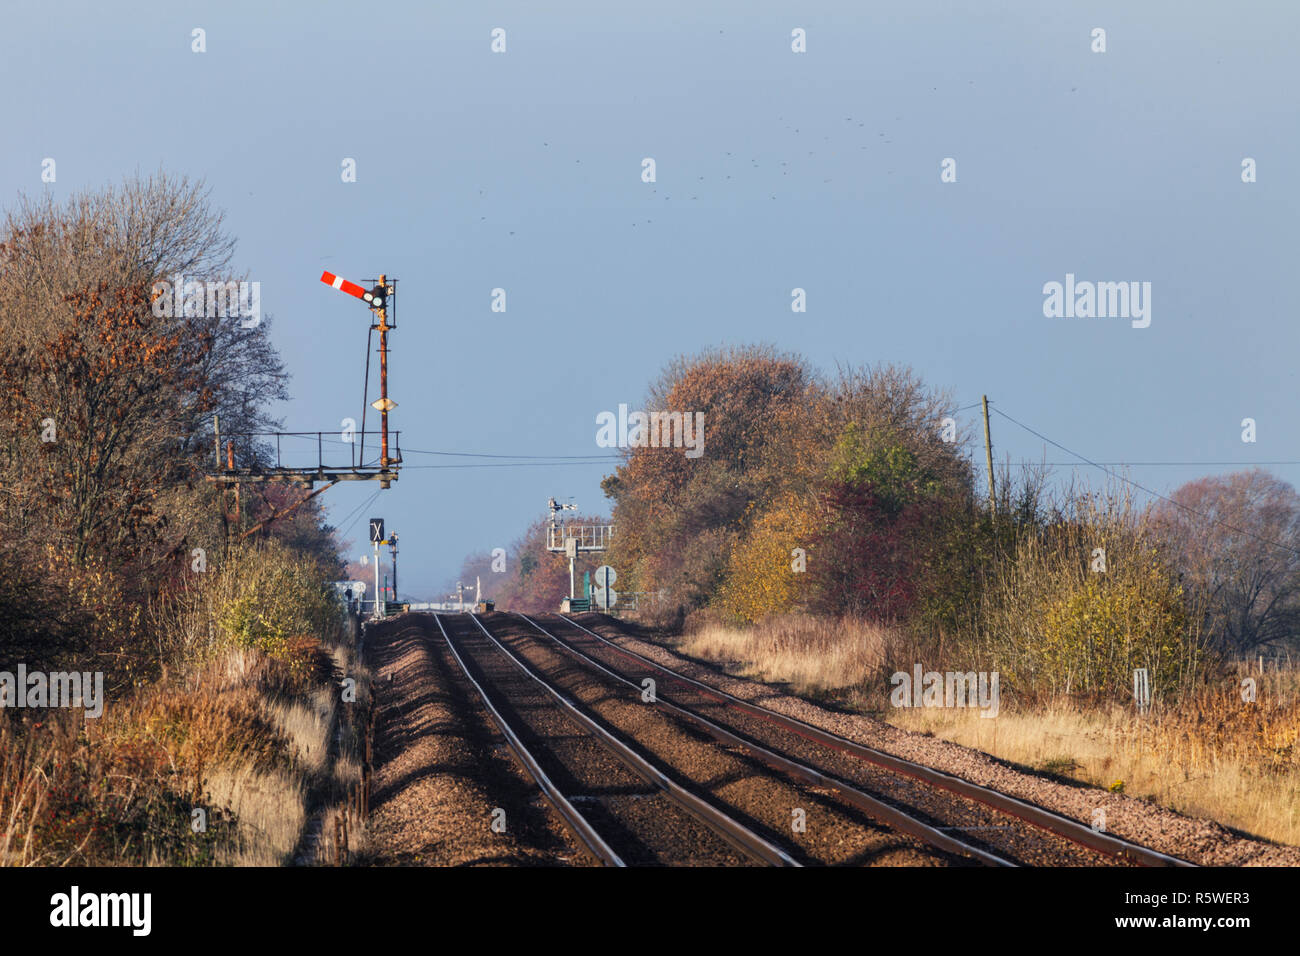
<point>522,170</point>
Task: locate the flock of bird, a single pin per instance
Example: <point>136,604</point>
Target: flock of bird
<point>754,164</point>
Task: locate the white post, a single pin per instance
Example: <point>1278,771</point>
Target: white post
<point>378,596</point>
<point>1141,689</point>
<point>571,549</point>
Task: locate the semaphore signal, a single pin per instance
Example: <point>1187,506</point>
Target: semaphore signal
<point>375,298</point>
<point>380,298</point>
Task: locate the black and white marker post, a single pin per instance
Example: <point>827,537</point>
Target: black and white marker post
<point>376,539</point>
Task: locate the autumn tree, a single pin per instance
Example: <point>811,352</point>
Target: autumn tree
<point>287,514</point>
<point>106,401</point>
<point>94,416</point>
<point>91,420</point>
<point>886,501</point>
<point>678,517</point>
<point>896,500</point>
<point>767,571</point>
<point>536,580</point>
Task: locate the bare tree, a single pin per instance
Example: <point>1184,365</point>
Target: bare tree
<point>1237,539</point>
<point>121,236</point>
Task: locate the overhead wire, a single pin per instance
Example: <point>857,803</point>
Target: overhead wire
<point>1155,494</point>
<point>358,511</point>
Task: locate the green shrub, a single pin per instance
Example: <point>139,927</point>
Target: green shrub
<point>270,596</point>
<point>1052,624</point>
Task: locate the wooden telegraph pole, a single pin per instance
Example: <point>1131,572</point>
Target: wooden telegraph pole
<point>988,455</point>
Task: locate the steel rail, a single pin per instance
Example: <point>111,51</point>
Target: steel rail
<point>1035,816</point>
<point>889,815</point>
<point>573,819</point>
<point>732,831</point>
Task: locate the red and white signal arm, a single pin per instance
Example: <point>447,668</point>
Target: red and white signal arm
<point>374,298</point>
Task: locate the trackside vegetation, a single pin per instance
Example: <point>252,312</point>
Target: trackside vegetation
<point>224,735</point>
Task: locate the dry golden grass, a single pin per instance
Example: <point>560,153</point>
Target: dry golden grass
<point>271,806</point>
<point>812,656</point>
<point>260,744</point>
<point>340,824</point>
<point>1210,755</point>
<point>270,810</point>
<point>275,808</point>
<point>307,724</point>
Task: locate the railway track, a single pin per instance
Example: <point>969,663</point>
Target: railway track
<point>845,762</point>
<point>632,812</point>
<point>721,780</point>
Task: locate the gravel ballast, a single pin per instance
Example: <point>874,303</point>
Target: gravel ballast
<point>1204,842</point>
